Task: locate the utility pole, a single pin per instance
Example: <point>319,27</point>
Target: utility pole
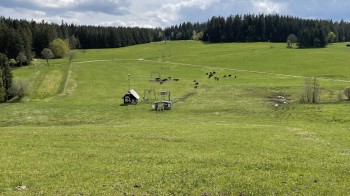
<point>129,81</point>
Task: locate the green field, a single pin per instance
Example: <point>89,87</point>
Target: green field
<point>72,136</point>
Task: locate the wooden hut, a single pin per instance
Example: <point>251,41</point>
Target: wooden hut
<point>131,97</point>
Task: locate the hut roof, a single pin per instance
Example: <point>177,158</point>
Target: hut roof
<point>134,93</point>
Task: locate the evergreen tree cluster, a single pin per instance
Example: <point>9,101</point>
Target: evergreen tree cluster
<point>263,28</point>
<point>30,37</point>
<point>5,78</point>
<point>185,31</point>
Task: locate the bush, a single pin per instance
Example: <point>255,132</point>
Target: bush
<point>347,92</point>
<point>340,96</point>
<point>59,48</point>
<point>19,88</point>
<point>12,62</point>
<point>311,92</point>
<point>348,45</point>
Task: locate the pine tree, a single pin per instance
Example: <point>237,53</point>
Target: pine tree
<point>6,77</point>
<point>2,87</point>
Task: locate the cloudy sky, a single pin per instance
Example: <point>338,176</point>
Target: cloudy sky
<point>162,13</point>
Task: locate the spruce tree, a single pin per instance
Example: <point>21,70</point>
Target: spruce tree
<point>6,77</point>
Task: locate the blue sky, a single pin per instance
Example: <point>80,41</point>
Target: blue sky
<point>162,13</point>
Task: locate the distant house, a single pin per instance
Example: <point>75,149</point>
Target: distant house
<point>131,97</point>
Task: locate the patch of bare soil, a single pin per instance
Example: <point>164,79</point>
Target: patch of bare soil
<point>279,99</point>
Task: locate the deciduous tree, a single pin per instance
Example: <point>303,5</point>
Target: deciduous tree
<point>331,37</point>
<point>47,54</point>
<point>21,58</point>
<point>70,56</point>
<point>74,42</point>
<point>347,92</point>
<point>12,62</point>
<point>59,48</point>
<point>19,88</point>
<point>311,92</point>
<point>291,39</point>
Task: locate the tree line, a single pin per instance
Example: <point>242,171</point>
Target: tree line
<point>262,28</point>
<point>29,38</point>
<point>22,40</point>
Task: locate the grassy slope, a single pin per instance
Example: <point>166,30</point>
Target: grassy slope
<point>227,138</point>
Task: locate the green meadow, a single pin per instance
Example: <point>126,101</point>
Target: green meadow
<point>244,134</point>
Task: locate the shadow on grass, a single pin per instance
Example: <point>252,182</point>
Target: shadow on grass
<point>15,100</point>
<point>126,104</point>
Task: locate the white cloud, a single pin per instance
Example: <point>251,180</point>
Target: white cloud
<point>171,12</point>
<point>162,13</point>
<point>268,7</point>
<point>122,23</point>
<point>201,4</point>
<point>38,14</point>
<point>57,3</point>
<point>115,7</point>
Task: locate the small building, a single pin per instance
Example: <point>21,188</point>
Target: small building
<point>161,105</point>
<point>167,105</point>
<point>131,97</point>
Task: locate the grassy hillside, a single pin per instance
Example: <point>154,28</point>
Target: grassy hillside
<point>71,136</point>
